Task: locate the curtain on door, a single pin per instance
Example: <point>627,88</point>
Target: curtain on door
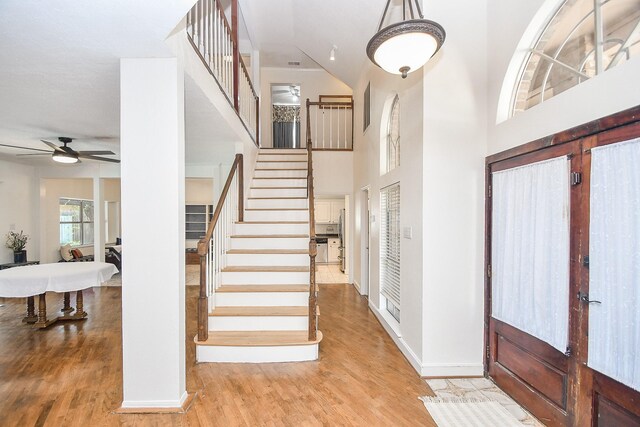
<point>286,126</point>
<point>530,249</point>
<point>614,262</point>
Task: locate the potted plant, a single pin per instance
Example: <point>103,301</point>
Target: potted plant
<point>16,242</point>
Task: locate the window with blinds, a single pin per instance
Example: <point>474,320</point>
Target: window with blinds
<point>390,247</point>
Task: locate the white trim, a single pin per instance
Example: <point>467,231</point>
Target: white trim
<point>357,286</point>
<point>155,403</point>
<point>397,339</point>
<point>452,370</point>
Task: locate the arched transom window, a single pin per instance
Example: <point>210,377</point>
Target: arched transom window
<point>393,136</point>
<point>582,39</point>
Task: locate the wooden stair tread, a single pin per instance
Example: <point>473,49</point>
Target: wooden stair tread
<point>268,252</point>
<point>269,236</point>
<point>262,288</point>
<point>277,209</point>
<point>258,338</point>
<point>261,311</point>
<point>272,222</point>
<point>281,161</point>
<point>280,169</point>
<point>277,198</point>
<point>265,269</point>
<point>278,188</point>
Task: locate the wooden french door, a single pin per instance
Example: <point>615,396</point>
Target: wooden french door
<point>558,387</point>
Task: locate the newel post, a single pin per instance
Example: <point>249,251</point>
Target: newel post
<point>240,187</point>
<point>203,302</point>
<point>236,55</point>
<point>313,293</point>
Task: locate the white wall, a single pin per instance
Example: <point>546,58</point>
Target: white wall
<point>312,84</point>
<point>366,172</point>
<point>443,134</point>
<point>613,91</point>
<point>19,207</point>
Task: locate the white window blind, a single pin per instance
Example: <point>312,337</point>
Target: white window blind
<point>614,262</point>
<point>390,243</point>
<point>530,249</point>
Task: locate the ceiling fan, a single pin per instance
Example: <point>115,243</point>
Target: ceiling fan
<point>65,154</point>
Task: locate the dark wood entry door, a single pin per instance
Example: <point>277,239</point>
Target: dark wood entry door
<point>559,388</point>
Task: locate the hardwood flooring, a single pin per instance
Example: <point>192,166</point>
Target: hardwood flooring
<point>71,373</point>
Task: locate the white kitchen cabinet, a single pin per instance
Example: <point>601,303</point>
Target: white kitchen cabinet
<point>328,211</point>
<point>333,250</point>
<point>323,211</point>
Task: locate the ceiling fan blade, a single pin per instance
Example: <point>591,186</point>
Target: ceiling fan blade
<point>25,148</point>
<point>52,145</point>
<point>102,159</point>
<point>34,154</point>
<point>93,153</point>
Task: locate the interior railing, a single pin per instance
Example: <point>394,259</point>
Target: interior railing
<point>332,123</point>
<point>216,42</point>
<point>313,246</point>
<point>214,245</point>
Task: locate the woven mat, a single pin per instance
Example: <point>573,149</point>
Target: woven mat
<point>458,412</point>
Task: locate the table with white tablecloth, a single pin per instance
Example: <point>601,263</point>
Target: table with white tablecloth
<point>31,280</point>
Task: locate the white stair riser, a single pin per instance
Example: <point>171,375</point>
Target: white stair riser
<point>258,323</point>
<point>282,165</point>
<point>285,157</point>
<point>279,192</point>
<point>282,150</point>
<point>268,259</point>
<point>289,182</point>
<point>261,299</point>
<point>258,354</point>
<point>280,173</point>
<point>297,215</point>
<point>275,228</point>
<point>277,203</point>
<point>264,278</point>
<point>270,243</point>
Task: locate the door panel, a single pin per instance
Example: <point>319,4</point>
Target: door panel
<point>560,389</point>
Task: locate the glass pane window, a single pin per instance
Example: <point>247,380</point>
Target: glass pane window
<point>393,136</point>
<point>76,222</point>
<point>583,39</point>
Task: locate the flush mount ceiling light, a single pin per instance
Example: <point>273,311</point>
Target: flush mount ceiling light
<point>405,46</point>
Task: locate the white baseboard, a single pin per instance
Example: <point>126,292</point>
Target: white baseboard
<point>402,345</point>
<point>357,286</point>
<point>127,404</point>
<point>452,370</point>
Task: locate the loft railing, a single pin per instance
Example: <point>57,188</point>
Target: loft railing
<point>313,245</point>
<point>332,123</point>
<point>216,42</point>
<point>214,245</point>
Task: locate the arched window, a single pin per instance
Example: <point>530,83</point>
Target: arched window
<point>583,38</point>
<point>393,136</point>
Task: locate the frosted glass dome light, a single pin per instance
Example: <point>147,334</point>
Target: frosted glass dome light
<point>404,47</point>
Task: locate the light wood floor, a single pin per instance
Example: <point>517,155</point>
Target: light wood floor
<point>70,374</point>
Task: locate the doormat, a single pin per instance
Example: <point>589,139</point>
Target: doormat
<point>459,412</point>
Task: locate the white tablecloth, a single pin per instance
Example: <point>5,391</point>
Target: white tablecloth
<point>20,282</point>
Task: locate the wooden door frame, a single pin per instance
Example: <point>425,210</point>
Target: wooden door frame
<point>580,406</point>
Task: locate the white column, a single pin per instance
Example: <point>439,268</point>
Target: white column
<point>98,217</point>
<point>153,241</point>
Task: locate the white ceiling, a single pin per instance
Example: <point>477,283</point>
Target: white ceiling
<point>59,72</point>
<point>314,27</point>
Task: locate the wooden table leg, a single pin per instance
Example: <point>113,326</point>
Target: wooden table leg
<point>43,322</point>
<point>67,309</point>
<point>80,313</point>
<point>31,312</point>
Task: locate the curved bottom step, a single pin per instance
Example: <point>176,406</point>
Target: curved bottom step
<point>257,347</point>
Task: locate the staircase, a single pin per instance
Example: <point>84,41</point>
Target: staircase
<point>261,301</point>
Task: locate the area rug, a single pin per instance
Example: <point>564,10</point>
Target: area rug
<point>459,412</point>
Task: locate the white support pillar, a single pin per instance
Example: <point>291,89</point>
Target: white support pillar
<point>98,217</point>
<point>153,222</point>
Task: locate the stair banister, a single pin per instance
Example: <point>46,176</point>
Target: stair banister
<point>313,246</point>
<point>207,245</point>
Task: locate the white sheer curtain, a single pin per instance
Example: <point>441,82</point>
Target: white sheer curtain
<point>530,249</point>
<point>614,262</point>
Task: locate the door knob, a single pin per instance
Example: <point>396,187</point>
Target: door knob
<point>584,297</point>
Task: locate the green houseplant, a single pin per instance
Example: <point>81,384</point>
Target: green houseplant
<point>17,242</point>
